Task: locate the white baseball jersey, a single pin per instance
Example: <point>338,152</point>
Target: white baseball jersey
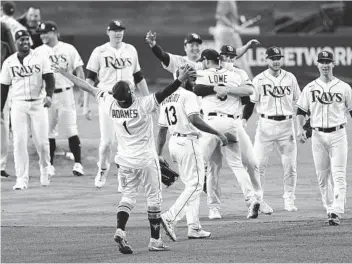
<point>215,76</point>
<point>175,110</point>
<point>327,102</point>
<point>14,26</point>
<point>133,127</point>
<point>113,65</point>
<point>275,96</point>
<point>176,61</point>
<point>26,79</point>
<point>66,56</point>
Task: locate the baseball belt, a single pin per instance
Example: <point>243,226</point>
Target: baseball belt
<point>329,130</point>
<point>185,135</point>
<point>60,90</point>
<point>277,118</point>
<point>219,114</point>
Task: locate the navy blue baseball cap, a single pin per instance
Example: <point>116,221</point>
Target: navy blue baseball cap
<point>228,50</point>
<point>121,91</point>
<point>116,25</point>
<point>273,52</point>
<point>47,26</point>
<point>21,33</point>
<point>209,54</point>
<point>193,37</point>
<point>325,56</point>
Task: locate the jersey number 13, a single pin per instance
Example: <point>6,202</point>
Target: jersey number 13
<point>171,115</point>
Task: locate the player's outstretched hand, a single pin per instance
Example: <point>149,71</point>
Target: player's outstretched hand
<point>150,38</point>
<point>47,101</point>
<point>301,136</point>
<point>223,139</point>
<point>253,42</point>
<point>186,72</point>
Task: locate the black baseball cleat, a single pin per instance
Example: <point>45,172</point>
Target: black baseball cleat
<point>4,174</point>
<point>333,219</point>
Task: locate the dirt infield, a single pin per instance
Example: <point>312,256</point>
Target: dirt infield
<point>73,222</point>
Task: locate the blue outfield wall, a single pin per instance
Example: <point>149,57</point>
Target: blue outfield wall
<point>300,53</point>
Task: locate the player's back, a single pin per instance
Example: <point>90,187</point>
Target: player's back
<point>133,127</point>
<point>220,76</point>
<point>175,110</point>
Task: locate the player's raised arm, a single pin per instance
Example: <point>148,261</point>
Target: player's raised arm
<point>242,50</point>
<point>150,38</point>
<point>185,72</point>
<point>82,84</point>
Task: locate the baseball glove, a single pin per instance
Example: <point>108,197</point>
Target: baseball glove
<point>308,129</point>
<point>168,175</point>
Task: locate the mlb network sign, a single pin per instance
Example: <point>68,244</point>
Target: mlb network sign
<point>298,50</point>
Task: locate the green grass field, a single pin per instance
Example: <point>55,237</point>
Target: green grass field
<point>71,221</point>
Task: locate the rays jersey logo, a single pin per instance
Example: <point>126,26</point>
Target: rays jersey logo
<point>25,71</point>
<point>325,97</point>
<point>276,91</point>
<point>117,63</point>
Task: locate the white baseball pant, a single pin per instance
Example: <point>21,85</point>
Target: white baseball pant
<point>271,133</point>
<point>5,136</point>
<point>130,180</point>
<point>330,159</point>
<point>23,114</point>
<point>186,152</point>
<point>107,138</point>
<point>232,153</point>
<point>63,113</point>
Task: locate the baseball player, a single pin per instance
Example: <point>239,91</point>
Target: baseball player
<point>7,48</point>
<point>136,156</point>
<point>7,12</point>
<point>180,114</point>
<point>63,109</point>
<point>227,58</point>
<point>193,49</point>
<point>227,30</point>
<point>219,104</point>
<point>275,93</point>
<point>109,63</point>
<point>327,98</point>
<point>25,71</point>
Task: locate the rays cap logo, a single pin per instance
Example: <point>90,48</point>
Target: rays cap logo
<point>47,26</point>
<point>115,25</point>
<point>325,56</point>
<point>228,50</point>
<point>273,52</point>
<point>193,37</point>
<point>21,33</point>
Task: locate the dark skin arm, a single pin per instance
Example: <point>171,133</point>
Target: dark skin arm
<point>4,93</point>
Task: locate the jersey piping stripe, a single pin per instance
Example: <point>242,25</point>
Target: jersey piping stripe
<point>282,110</point>
<point>195,157</point>
<point>29,82</point>
<point>322,106</point>
<point>273,86</point>
<point>328,104</point>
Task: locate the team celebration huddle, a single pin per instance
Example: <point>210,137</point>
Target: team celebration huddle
<point>204,110</point>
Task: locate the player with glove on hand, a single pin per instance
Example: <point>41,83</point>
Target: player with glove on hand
<point>136,154</point>
<point>180,114</point>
